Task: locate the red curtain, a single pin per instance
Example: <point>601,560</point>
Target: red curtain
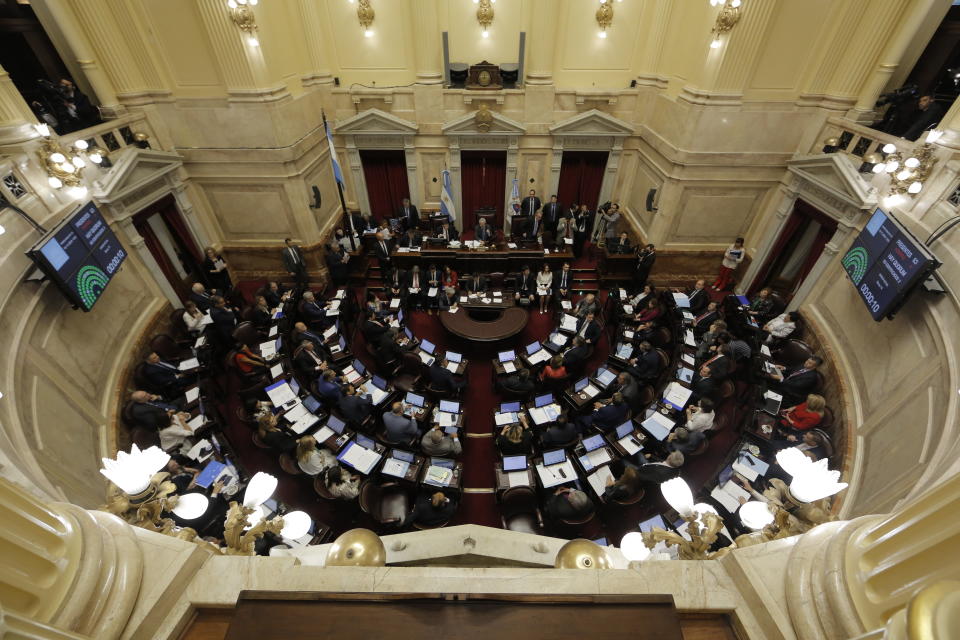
<point>483,179</point>
<point>793,223</point>
<point>385,172</point>
<point>581,175</point>
<point>160,255</point>
<point>171,215</point>
<point>823,237</point>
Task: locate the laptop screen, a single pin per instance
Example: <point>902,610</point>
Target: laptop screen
<point>406,456</point>
<point>605,376</point>
<point>532,348</point>
<point>507,356</point>
<point>446,463</point>
<point>408,333</point>
<point>427,346</point>
<point>336,424</point>
<point>593,442</point>
<point>625,429</point>
<point>343,344</point>
<point>414,399</point>
<point>580,385</point>
<point>400,316</point>
<point>655,521</point>
<point>743,300</point>
<point>311,403</point>
<point>541,401</point>
<point>295,386</point>
<point>449,406</point>
<point>359,366</point>
<point>379,383</point>
<point>366,442</point>
<point>455,357</point>
<point>279,344</point>
<point>514,463</point>
<point>725,475</point>
<point>554,457</point>
<point>509,407</point>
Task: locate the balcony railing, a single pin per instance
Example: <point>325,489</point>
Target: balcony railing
<point>114,135</point>
<point>858,140</point>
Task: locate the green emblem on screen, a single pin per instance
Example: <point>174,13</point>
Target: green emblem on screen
<point>91,282</point>
<point>855,262</point>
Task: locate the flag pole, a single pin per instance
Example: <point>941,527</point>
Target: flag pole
<point>343,203</point>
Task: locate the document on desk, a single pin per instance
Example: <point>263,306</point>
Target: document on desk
<point>558,339</point>
<point>556,474</point>
<point>543,415</point>
<point>504,418</point>
<point>426,358</point>
<point>305,422</point>
<point>685,374</point>
<point>360,458</point>
<point>395,468</point>
<point>323,434</point>
<point>453,366</point>
<point>280,393</point>
<point>591,390</point>
<point>689,339</point>
<point>598,457</point>
<point>630,444</point>
<point>688,359</point>
<point>432,292</point>
<point>341,294</point>
<point>201,451</point>
<point>540,356</point>
<point>295,412</point>
<point>377,395</point>
<point>750,466</point>
<point>765,350</point>
<point>658,425</point>
<point>681,300</point>
<point>276,371</point>
<point>206,319</point>
<point>403,249</point>
<point>628,334</point>
<point>268,349</point>
<point>568,240</point>
<point>352,375</point>
<point>445,419</point>
<point>438,476</point>
<point>188,364</point>
<point>598,480</point>
<point>624,351</point>
<point>623,293</point>
<point>202,340</point>
<point>628,308</point>
<point>192,394</point>
<point>329,332</point>
<point>568,322</point>
<point>196,422</point>
<point>273,331</point>
<point>518,479</point>
<point>729,495</point>
<point>395,303</point>
<point>414,290</point>
<point>688,317</point>
<point>676,395</point>
<point>566,304</point>
<point>509,367</point>
<point>511,245</point>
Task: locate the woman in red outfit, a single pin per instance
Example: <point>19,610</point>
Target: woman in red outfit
<point>449,277</point>
<point>651,313</point>
<point>554,369</point>
<point>805,415</point>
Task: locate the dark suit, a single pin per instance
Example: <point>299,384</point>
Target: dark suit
<point>526,285</point>
<point>329,390</point>
<point>409,243</point>
<point>575,356</point>
<point>336,265</point>
<point>294,262</point>
<point>515,385</point>
<point>372,330</point>
<point>410,215</point>
<point>483,234</point>
<point>698,301</point>
<point>558,507</point>
<point>279,441</point>
<point>162,375</point>
<point>719,367</point>
<point>656,473</point>
<point>445,302</point>
<point>535,229</point>
<point>563,280</point>
<point>306,364</point>
<point>151,415</point>
<point>704,320</point>
<point>694,439</point>
<point>619,246</point>
<point>202,300</point>
<point>274,297</point>
<point>425,514</point>
<point>383,249</point>
<point>798,384</point>
<point>592,331</point>
<point>552,212</point>
<point>645,262</point>
<point>704,388</point>
<point>441,378</point>
<point>476,285</point>
<point>607,417</point>
<point>558,434</point>
<point>450,234</point>
<point>647,367</point>
<point>224,321</point>
<point>354,408</point>
<point>530,205</point>
<point>313,312</point>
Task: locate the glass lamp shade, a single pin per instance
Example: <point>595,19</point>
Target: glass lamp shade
<point>911,163</point>
<point>259,489</point>
<point>702,508</point>
<point>131,472</point>
<point>894,200</point>
<point>811,480</point>
<point>915,187</point>
<point>889,147</point>
<point>78,162</point>
<point>81,144</point>
<point>258,514</point>
<point>57,157</point>
<point>96,156</point>
<point>755,514</point>
<point>2,231</point>
<point>878,168</point>
<point>903,175</point>
<point>892,166</point>
<point>44,130</point>
<point>55,182</point>
<point>632,547</point>
<point>77,192</point>
<point>296,524</point>
<point>191,506</point>
<point>678,495</point>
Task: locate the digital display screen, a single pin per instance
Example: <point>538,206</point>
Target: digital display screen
<point>81,254</point>
<point>884,263</point>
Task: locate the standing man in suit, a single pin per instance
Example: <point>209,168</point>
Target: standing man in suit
<point>409,214</point>
<point>223,319</point>
<point>383,252</point>
<point>535,227</point>
<point>588,329</point>
<point>580,223</point>
<point>483,233</point>
<point>552,212</point>
<point>531,204</point>
<point>563,281</point>
<point>645,259</point>
<point>526,287</point>
<point>476,283</point>
<point>294,262</point>
<point>337,260</point>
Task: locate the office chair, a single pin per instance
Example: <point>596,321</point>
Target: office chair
<point>520,511</point>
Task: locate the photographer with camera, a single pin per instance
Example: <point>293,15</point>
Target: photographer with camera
<point>929,114</point>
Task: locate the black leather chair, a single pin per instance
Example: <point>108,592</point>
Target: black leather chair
<point>520,511</point>
<point>385,503</point>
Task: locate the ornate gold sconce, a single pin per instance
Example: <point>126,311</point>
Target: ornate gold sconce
<point>241,12</point>
<point>485,15</point>
<point>604,17</point>
<point>240,542</point>
<point>64,165</point>
<point>143,509</point>
<point>907,175</point>
<point>703,529</point>
<point>729,16</point>
<point>365,15</point>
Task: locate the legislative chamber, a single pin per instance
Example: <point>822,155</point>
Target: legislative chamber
<point>529,318</point>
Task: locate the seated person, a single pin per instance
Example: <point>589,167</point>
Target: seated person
<point>250,364</point>
<point>588,328</point>
<point>805,415</point>
<point>354,407</point>
<point>761,307</point>
<point>702,322</point>
<point>576,354</point>
<point>605,417</point>
<point>781,327</point>
<point>628,387</point>
<point>642,299</point>
<point>442,378</point>
<point>515,439</point>
<point>622,245</point>
<point>260,315</point>
<point>434,278</point>
<point>437,443</point>
<point>166,376</point>
<point>392,345</point>
<point>307,362</point>
<point>311,459</point>
<point>483,232</point>
<point>379,307</point>
<point>181,476</point>
<point>559,433</point>
<point>655,473</point>
<point>554,370</point>
<point>448,298</point>
<point>700,416</point>
<point>273,437</point>
<point>811,443</point>
<point>201,297</point>
<point>535,227</point>
<point>337,260</point>
<point>739,348</point>
<point>704,385</point>
<point>398,428</point>
<point>518,383</point>
<point>275,294</point>
<point>411,239</point>
<point>396,284</point>
<point>416,287</point>
<point>563,281</point>
<point>177,431</point>
<point>476,283</point>
<point>709,339</point>
<point>313,312</point>
<point>525,286</point>
<point>150,411</point>
<point>373,327</point>
<point>450,278</point>
<point>698,297</point>
<point>193,318</point>
<point>328,388</point>
<point>626,486</point>
<point>431,510</point>
<point>447,232</point>
<point>796,384</point>
<point>587,304</point>
<point>645,365</point>
<point>720,360</point>
<point>340,483</point>
<point>301,333</point>
<point>684,440</point>
<point>650,313</point>
<point>567,503</point>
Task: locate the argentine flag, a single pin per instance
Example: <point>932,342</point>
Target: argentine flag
<point>515,197</point>
<point>446,197</point>
<point>337,173</point>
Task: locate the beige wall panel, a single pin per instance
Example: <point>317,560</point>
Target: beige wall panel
<point>713,215</point>
<point>536,166</point>
<point>284,53</point>
<point>385,58</point>
<point>687,53</point>
<point>251,212</point>
<point>184,47</point>
<point>644,180</point>
<point>322,176</point>
<point>781,62</point>
<point>429,166</point>
<point>585,60</point>
<point>466,43</point>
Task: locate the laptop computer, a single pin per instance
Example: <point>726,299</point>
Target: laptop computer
<point>311,403</point>
<point>605,376</point>
<point>365,442</point>
<point>453,356</point>
<point>580,385</point>
<point>408,333</point>
<point>544,400</point>
<point>593,442</point>
<point>406,456</point>
<point>336,424</point>
<point>358,366</point>
<point>509,407</point>
<point>507,356</point>
<point>400,316</point>
<point>414,399</point>
<point>625,429</point>
<point>446,463</point>
<point>379,382</point>
<point>428,346</point>
<point>532,348</point>
<point>294,386</point>
<point>556,456</point>
<point>650,523</point>
<point>515,463</point>
<point>449,406</point>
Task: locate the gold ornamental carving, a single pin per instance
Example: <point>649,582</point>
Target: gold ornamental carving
<point>483,119</point>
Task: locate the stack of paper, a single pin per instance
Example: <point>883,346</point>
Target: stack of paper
<point>395,468</point>
<point>558,339</point>
<point>540,356</point>
<point>395,303</point>
<point>276,370</point>
<point>509,367</point>
<point>518,479</point>
<point>197,422</point>
<point>189,363</point>
<point>295,412</point>
<point>628,308</point>
<point>688,359</point>
<point>658,425</point>
<point>598,456</point>
<point>201,451</point>
<point>504,418</point>
<point>682,300</point>
<point>280,394</point>
<point>511,245</point>
<point>192,394</point>
<point>432,292</point>
<point>202,340</point>
<point>329,332</point>
<point>323,434</point>
<point>568,322</point>
<point>438,476</point>
<point>360,458</point>
<point>598,479</point>
<point>630,444</point>
<point>268,349</point>
<point>676,395</point>
<point>628,334</point>
<point>624,351</point>
<point>688,339</point>
<point>377,395</point>
<point>303,423</point>
<point>445,419</point>
<point>425,357</point>
<point>543,415</point>
<point>765,350</point>
<point>590,390</point>
<point>623,293</point>
<point>729,495</point>
<point>566,304</point>
<point>453,366</point>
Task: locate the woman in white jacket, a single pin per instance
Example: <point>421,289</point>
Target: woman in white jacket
<point>732,258</point>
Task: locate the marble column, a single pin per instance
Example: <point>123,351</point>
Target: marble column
<point>315,38</point>
<point>741,48</point>
<point>908,22</point>
<point>66,568</point>
<point>838,241</point>
<point>97,20</point>
<point>541,41</point>
<point>18,627</point>
<point>428,52</point>
<point>16,117</point>
<point>656,20</point>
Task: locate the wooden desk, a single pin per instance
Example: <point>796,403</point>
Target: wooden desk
<point>510,322</point>
<point>476,302</point>
<point>614,441</point>
<point>503,481</point>
<point>499,370</point>
<point>413,471</point>
<point>454,481</point>
<point>497,258</point>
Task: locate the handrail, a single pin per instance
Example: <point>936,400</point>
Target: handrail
<point>858,140</point>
